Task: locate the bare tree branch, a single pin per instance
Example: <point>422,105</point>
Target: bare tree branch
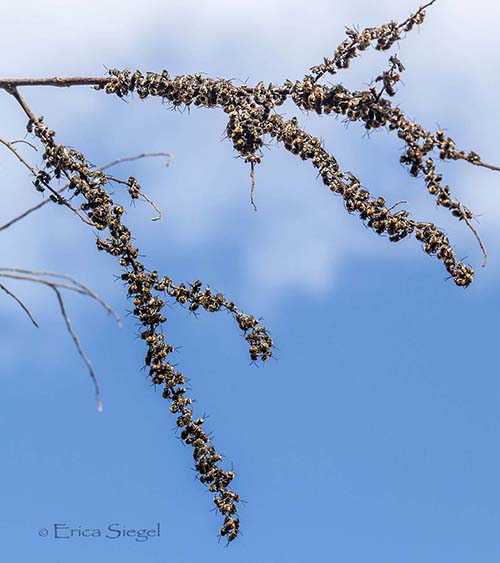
<point>80,287</point>
<point>76,340</point>
<point>23,306</point>
<point>36,277</point>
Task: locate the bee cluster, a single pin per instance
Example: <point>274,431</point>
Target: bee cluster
<point>252,115</point>
<point>391,76</point>
<point>247,109</point>
<point>374,111</point>
<point>144,288</point>
<point>256,335</point>
<point>250,118</point>
<point>383,36</point>
<point>372,211</point>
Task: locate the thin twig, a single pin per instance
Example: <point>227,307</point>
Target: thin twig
<point>76,340</point>
<point>167,155</point>
<point>252,189</point>
<point>83,289</point>
<point>10,83</point>
<point>476,234</point>
<point>23,306</point>
<point>154,206</point>
<point>142,194</point>
<point>13,91</point>
<point>49,283</point>
<point>484,165</point>
<point>26,213</point>
<point>460,155</point>
<point>403,201</point>
<point>18,156</point>
<point>25,142</point>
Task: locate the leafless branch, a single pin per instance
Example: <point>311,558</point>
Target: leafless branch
<point>141,194</point>
<point>23,306</point>
<point>80,287</point>
<point>25,142</point>
<point>76,340</point>
<point>37,277</point>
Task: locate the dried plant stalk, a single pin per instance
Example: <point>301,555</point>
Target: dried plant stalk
<point>252,114</point>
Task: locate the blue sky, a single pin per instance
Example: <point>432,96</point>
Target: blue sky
<point>373,435</point>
